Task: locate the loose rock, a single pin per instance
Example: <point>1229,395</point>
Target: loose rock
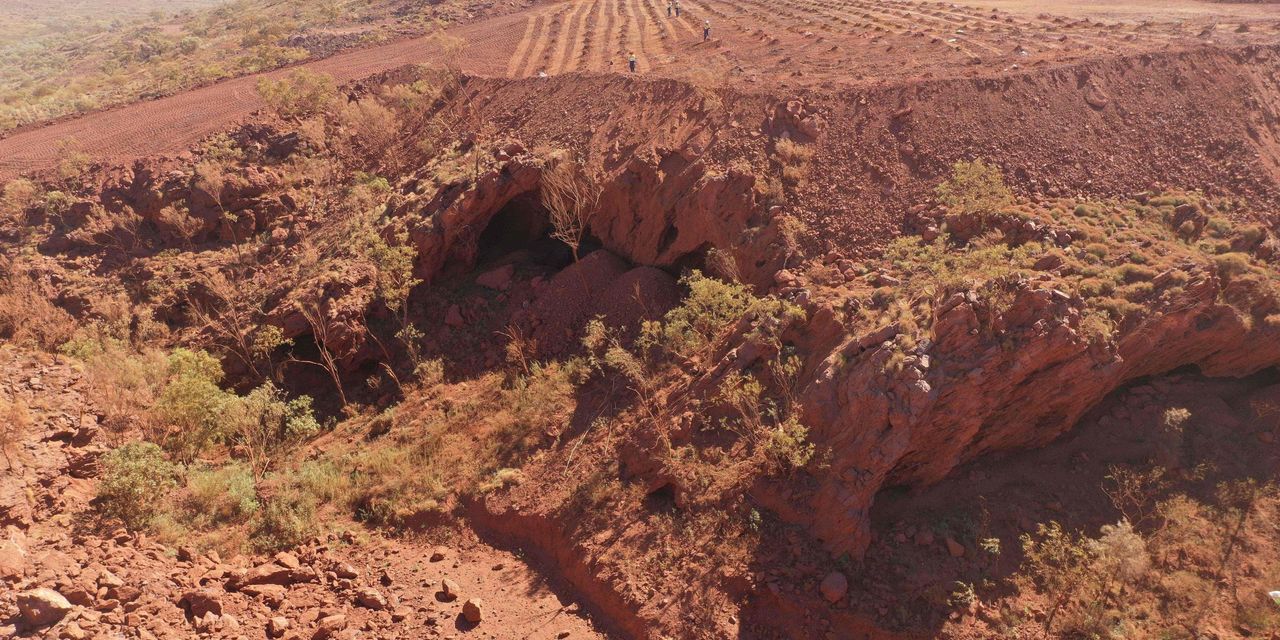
<point>834,586</point>
<point>473,610</point>
<point>42,607</point>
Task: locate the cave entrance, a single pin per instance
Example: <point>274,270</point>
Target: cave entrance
<point>521,232</point>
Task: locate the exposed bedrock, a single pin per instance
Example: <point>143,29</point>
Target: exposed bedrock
<point>963,394</point>
<point>659,211</point>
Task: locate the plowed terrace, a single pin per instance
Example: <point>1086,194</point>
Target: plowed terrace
<point>783,45</point>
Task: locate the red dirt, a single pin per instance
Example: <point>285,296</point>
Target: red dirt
<point>47,539</point>
<point>797,43</point>
<point>886,95</point>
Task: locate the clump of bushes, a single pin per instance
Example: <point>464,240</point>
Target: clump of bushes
<point>794,158</point>
<point>134,479</point>
<point>974,188</point>
<point>301,94</point>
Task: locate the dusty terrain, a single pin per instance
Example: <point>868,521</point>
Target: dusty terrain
<point>762,47</point>
<point>857,319</point>
<point>127,583</point>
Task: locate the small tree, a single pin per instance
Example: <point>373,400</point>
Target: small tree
<point>14,420</point>
<point>269,425</point>
<point>192,405</point>
<point>572,196</point>
<point>321,330</point>
<point>1059,564</point>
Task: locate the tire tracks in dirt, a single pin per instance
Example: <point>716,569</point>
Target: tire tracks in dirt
<point>817,40</point>
<point>519,57</point>
<point>570,38</point>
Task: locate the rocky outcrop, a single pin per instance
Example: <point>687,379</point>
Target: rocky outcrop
<point>659,210</point>
<point>961,394</point>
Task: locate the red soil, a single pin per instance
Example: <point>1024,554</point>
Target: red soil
<point>47,540</point>
<point>772,47</point>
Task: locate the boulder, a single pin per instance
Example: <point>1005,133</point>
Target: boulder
<point>834,587</point>
<point>473,610</point>
<point>272,595</point>
<point>271,573</point>
<point>346,571</point>
<point>453,317</point>
<point>329,626</point>
<point>197,602</point>
<point>450,589</point>
<point>277,625</point>
<point>287,560</point>
<point>371,598</point>
<point>42,607</point>
<point>13,560</point>
<point>499,278</point>
<point>73,631</point>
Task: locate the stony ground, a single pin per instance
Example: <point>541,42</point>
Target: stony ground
<point>766,47</point>
<point>64,576</point>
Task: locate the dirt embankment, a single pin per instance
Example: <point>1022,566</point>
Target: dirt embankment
<point>1205,118</point>
<point>689,169</point>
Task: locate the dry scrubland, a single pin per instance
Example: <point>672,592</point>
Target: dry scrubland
<point>311,378</point>
<point>67,57</point>
<point>416,422</point>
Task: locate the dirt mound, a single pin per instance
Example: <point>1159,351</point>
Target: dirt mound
<point>689,170</point>
<point>769,47</point>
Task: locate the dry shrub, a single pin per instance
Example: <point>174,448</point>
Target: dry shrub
<point>123,384</point>
<point>301,94</point>
<point>571,195</point>
<point>27,315</point>
<point>135,479</point>
<point>115,231</point>
<point>373,130</point>
<point>974,188</point>
<point>19,196</point>
<point>1081,574</point>
<point>15,419</point>
<point>794,158</point>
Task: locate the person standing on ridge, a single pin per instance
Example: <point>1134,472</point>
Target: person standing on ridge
<point>631,60</point>
<point>668,8</point>
<point>677,8</point>
<point>706,30</point>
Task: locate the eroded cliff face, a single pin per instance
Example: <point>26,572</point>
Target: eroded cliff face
<point>962,393</point>
<point>662,210</point>
<point>926,360</point>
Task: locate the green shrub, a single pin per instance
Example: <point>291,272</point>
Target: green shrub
<point>788,445</point>
<point>1231,265</point>
<point>269,425</point>
<point>1130,273</point>
<point>286,520</point>
<point>394,483</point>
<point>135,478</point>
<point>974,188</point>
<point>192,406</point>
<point>708,309</point>
<point>301,94</point>
<point>324,480</point>
<point>222,495</point>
